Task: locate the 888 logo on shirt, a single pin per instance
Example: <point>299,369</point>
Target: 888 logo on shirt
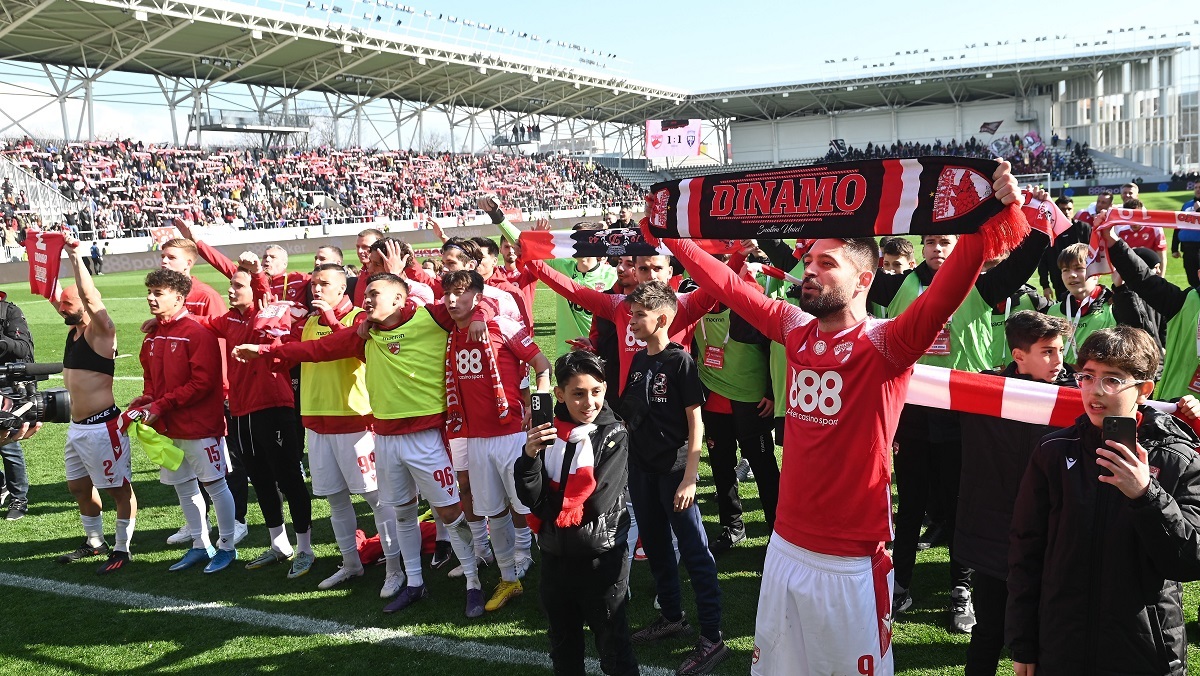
<point>815,392</point>
<point>469,362</point>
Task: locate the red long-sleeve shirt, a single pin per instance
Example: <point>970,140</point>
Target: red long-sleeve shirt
<point>526,283</point>
<point>292,286</point>
<point>845,393</point>
<point>253,386</point>
<point>612,306</point>
<point>204,301</point>
<point>181,366</point>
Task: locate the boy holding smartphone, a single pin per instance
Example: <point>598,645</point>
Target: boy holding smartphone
<point>572,478</point>
<point>1104,533</point>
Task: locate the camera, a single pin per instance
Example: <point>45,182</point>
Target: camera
<point>23,403</point>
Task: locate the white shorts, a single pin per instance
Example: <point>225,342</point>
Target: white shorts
<point>342,462</point>
<point>412,464</point>
<point>460,457</point>
<point>203,459</point>
<point>493,488</point>
<point>823,614</point>
<point>99,451</point>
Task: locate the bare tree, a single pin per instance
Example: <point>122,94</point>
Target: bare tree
<point>434,142</point>
<point>323,131</point>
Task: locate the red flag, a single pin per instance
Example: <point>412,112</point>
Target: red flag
<point>990,127</point>
<point>44,251</point>
<point>1044,216</point>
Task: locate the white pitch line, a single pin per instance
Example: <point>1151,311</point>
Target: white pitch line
<point>298,624</point>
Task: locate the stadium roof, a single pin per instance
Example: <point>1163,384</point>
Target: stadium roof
<point>216,41</point>
<point>897,89</point>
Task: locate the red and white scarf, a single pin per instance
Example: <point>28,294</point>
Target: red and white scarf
<point>549,244</point>
<point>456,418</point>
<point>1010,398</point>
<point>581,482</point>
<point>1120,217</point>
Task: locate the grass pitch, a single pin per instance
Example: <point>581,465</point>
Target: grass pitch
<point>67,620</point>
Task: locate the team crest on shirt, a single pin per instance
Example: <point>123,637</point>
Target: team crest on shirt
<point>959,191</point>
<point>174,344</point>
<point>819,347</point>
<point>1154,471</point>
<point>394,347</point>
<point>847,347</point>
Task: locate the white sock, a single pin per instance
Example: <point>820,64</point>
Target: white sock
<point>410,543</point>
<point>279,540</point>
<point>193,513</point>
<point>385,524</point>
<point>222,500</point>
<point>441,534</point>
<point>93,529</point>
<point>344,522</point>
<point>460,541</point>
<point>124,534</point>
<point>504,544</point>
<point>479,537</point>
<point>524,542</point>
<point>304,541</point>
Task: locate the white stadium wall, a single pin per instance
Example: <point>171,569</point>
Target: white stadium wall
<point>801,138</point>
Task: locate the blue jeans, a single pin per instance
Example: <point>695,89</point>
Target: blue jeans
<point>12,476</point>
<point>653,499</point>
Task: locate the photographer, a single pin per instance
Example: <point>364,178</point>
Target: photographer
<point>16,344</point>
<point>96,452</point>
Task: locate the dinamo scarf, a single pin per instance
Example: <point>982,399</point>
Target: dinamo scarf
<point>919,196</point>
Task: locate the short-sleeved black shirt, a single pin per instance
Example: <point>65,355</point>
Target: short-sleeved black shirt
<point>657,394</point>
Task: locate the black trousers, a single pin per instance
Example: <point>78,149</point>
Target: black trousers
<point>745,429</point>
<point>927,467</point>
<point>1190,254</point>
<point>578,590</point>
<point>990,596</point>
<point>271,454</point>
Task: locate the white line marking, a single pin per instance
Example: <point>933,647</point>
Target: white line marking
<point>58,376</point>
<point>298,624</point>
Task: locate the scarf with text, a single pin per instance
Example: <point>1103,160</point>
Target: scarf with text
<point>462,359</point>
<point>919,196</point>
<point>1121,219</point>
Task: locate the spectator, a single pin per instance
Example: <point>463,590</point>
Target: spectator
<point>16,345</point>
<point>1186,243</point>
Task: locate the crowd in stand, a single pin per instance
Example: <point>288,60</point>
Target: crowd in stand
<point>1076,163</point>
<point>130,186</point>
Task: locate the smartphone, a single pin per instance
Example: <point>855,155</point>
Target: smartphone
<point>543,408</point>
<point>1121,430</point>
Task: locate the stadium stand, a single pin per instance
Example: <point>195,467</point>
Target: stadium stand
<point>124,187</point>
<point>1073,162</point>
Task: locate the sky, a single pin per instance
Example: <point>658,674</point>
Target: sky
<point>701,45</point>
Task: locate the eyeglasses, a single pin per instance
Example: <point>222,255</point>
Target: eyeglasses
<point>1108,384</point>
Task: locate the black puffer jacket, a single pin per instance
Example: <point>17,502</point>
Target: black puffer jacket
<point>995,454</point>
<point>1094,577</point>
<point>605,517</point>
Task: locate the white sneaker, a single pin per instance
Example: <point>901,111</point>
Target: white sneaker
<point>524,563</point>
<point>339,576</point>
<point>392,584</point>
<point>240,531</point>
<point>457,571</point>
<point>180,536</point>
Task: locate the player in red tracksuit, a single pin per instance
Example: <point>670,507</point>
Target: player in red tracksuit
<point>825,600</point>
<point>180,255</point>
<point>261,404</point>
<point>182,398</point>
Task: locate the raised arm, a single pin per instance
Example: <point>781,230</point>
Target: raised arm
<point>1163,296</point>
<point>215,258</point>
<point>337,345</point>
<point>88,294</point>
<point>1009,274</point>
<point>772,317</point>
<point>596,302</point>
<point>911,333</point>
